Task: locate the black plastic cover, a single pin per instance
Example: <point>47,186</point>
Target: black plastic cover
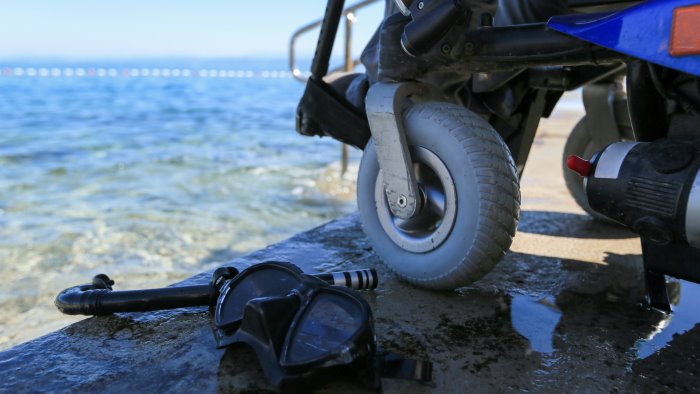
<point>323,111</point>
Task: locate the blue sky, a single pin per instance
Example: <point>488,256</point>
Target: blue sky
<point>159,28</point>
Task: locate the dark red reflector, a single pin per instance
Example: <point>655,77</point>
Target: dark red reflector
<point>685,37</point>
<point>579,165</point>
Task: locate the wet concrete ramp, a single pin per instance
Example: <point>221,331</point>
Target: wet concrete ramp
<point>535,324</point>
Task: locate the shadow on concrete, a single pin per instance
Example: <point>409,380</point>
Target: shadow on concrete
<point>240,371</point>
<point>675,368</point>
<point>570,225</point>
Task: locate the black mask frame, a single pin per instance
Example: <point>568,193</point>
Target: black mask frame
<point>280,320</point>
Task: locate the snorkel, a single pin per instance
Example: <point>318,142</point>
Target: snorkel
<point>98,298</point>
<point>300,326</point>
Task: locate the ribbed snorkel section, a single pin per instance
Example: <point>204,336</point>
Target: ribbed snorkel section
<point>80,300</point>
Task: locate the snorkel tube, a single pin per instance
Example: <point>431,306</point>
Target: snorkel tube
<point>98,298</point>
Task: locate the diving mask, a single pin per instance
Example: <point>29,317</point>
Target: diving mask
<point>299,325</point>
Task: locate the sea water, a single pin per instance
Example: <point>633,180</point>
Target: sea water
<point>118,168</point>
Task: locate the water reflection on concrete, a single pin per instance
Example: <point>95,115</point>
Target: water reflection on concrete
<point>535,319</point>
<point>686,314</point>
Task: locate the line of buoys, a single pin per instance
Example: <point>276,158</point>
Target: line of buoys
<point>140,72</point>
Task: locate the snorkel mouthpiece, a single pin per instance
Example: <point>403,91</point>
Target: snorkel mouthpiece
<point>84,299</point>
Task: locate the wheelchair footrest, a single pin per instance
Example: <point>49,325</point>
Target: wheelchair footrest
<point>323,111</point>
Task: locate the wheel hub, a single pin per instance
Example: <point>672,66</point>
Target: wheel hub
<point>432,224</point>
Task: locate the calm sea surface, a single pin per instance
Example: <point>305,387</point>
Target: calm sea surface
<point>148,179</point>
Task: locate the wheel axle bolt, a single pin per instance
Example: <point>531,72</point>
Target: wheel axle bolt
<point>402,201</point>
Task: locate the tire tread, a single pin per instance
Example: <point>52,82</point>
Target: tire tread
<point>498,190</point>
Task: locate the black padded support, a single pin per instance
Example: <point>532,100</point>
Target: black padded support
<point>323,111</point>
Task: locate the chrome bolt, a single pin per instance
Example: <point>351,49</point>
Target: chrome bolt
<point>420,5</point>
<point>402,201</point>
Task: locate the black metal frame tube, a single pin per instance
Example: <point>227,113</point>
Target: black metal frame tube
<point>646,106</point>
<point>326,38</point>
<point>522,46</point>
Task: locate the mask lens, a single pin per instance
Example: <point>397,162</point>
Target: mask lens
<point>269,282</point>
<point>329,322</point>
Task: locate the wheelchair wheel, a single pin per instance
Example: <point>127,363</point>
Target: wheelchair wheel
<point>471,199</point>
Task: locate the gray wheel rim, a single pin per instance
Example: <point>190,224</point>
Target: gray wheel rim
<point>432,225</point>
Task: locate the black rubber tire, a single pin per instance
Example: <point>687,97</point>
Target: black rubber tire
<point>580,143</point>
<point>487,196</point>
